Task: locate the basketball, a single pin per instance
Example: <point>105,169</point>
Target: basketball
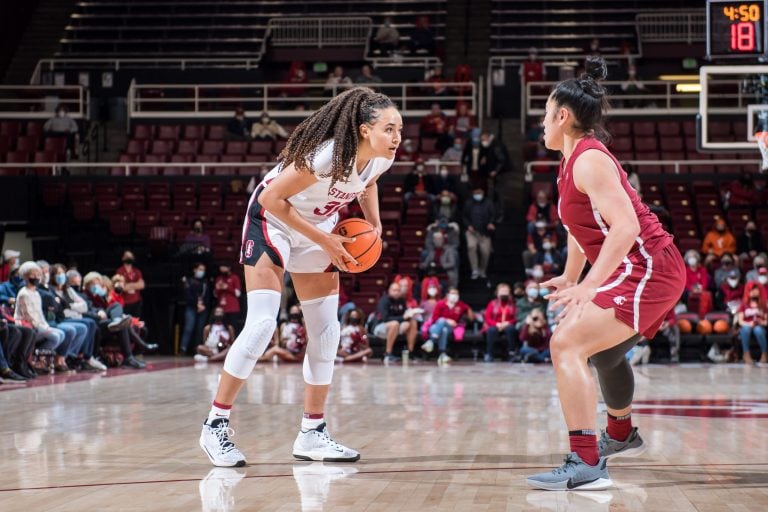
<point>721,327</point>
<point>704,327</point>
<point>685,326</point>
<point>366,248</point>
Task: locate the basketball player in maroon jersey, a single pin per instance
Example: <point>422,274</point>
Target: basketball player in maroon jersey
<point>636,277</point>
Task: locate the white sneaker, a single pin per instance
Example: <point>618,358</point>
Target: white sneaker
<point>317,444</point>
<point>314,481</point>
<point>200,358</point>
<point>443,359</point>
<point>214,440</point>
<point>216,489</point>
<point>428,346</point>
<point>97,364</point>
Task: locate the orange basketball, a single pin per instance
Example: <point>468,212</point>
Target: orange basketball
<point>366,249</point>
<point>685,326</point>
<point>721,327</point>
<point>704,327</point>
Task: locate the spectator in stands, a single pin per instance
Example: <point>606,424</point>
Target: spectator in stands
<point>760,261</point>
<point>10,288</point>
<point>752,320</point>
<point>196,241</point>
<point>731,292</point>
<point>697,283</point>
<point>293,334</point>
<point>446,182</point>
<point>391,321</point>
<point>430,294</point>
<point>227,290</point>
<point>418,183</point>
<point>742,191</point>
<point>534,338</point>
<point>438,87</point>
<point>479,218</point>
<point>448,321</point>
<point>719,240</point>
<point>532,69</point>
<point>294,80</point>
<point>367,76</point>
<point>239,127</point>
<point>354,341</point>
<point>61,125</point>
<point>499,320</point>
<point>446,207</point>
<point>407,152</point>
<point>217,337</point>
<point>387,38</point>
<point>422,39</point>
<point>337,81</point>
<point>727,266</point>
<point>10,262</point>
<point>548,258</point>
<point>524,305</point>
<point>45,268</point>
<point>449,229</point>
<point>29,308</point>
<point>455,152</point>
<point>671,332</point>
<point>542,210</point>
<point>632,177</point>
<point>134,284</point>
<point>442,256</point>
<point>6,372</point>
<point>485,162</point>
<point>267,128</point>
<point>535,242</point>
<point>197,300</point>
<point>632,86</point>
<point>435,124</point>
<point>594,47</point>
<point>18,342</point>
<point>750,242</point>
<point>463,122</point>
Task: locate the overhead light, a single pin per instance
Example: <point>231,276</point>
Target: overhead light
<point>679,78</point>
<point>688,87</point>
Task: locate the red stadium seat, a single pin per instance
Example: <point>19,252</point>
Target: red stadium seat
<point>671,144</point>
<point>56,144</point>
<point>620,128</point>
<point>236,147</point>
<point>209,189</point>
<point>644,144</point>
<point>188,147</point>
<point>175,219</point>
<point>54,194</point>
<point>622,144</point>
<point>145,221</point>
<point>168,132</point>
<point>212,147</point>
<point>260,147</point>
<point>194,132</point>
<point>121,223</point>
<point>644,128</point>
<point>216,132</point>
<point>27,143</point>
<point>83,209</point>
<point>668,129</point>
<point>10,128</point>
<point>161,147</point>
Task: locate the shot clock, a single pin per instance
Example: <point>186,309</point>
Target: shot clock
<point>736,29</point>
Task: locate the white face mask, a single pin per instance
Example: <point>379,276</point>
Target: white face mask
<point>532,293</point>
<point>762,279</point>
<point>432,292</point>
<point>692,261</point>
<point>733,282</point>
<point>477,197</point>
<point>546,246</point>
<point>452,298</point>
<point>443,173</point>
<point>537,273</point>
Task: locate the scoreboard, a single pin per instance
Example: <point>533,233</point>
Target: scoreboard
<point>736,29</point>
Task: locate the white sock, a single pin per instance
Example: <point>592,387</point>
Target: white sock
<point>219,411</point>
<point>312,423</point>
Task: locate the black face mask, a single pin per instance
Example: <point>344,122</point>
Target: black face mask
<point>34,281</point>
<point>197,229</point>
<point>354,320</point>
<point>225,272</point>
<point>294,318</point>
<point>128,261</point>
<point>217,319</point>
<point>118,289</point>
<point>503,298</point>
<point>519,294</point>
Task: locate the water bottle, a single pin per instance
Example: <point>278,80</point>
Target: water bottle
<point>404,357</point>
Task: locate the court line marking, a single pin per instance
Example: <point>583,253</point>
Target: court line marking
<point>374,472</point>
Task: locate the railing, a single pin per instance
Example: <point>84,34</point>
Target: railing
<point>675,165</point>
<point>218,101</point>
<point>320,32</point>
<point>40,102</point>
<point>672,27</point>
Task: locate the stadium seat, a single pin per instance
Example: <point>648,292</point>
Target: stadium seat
<point>260,147</point>
<point>194,132</point>
<point>644,128</point>
<point>236,147</point>
<point>145,221</point>
<point>168,132</point>
<point>27,143</point>
<point>212,147</point>
<point>143,132</point>
<point>121,223</point>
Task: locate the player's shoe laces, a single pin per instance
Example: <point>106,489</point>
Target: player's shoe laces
<point>573,475</point>
<point>214,440</point>
<point>216,489</point>
<point>633,446</point>
<point>317,444</point>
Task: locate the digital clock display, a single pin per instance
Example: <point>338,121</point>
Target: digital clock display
<point>735,28</point>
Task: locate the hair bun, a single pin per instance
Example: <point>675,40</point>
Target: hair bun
<point>596,68</point>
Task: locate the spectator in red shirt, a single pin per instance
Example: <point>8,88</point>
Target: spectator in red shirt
<point>731,292</point>
<point>541,209</point>
<point>10,262</point>
<point>449,320</point>
<point>753,319</point>
<point>462,123</point>
<point>534,337</point>
<point>499,320</point>
<point>134,283</point>
<point>532,70</point>
<point>697,283</point>
<point>435,123</point>
<point>227,290</point>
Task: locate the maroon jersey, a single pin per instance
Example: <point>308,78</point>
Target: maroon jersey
<point>582,220</point>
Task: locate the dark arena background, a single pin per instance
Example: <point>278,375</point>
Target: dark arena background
<point>136,131</point>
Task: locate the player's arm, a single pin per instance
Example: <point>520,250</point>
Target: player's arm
<point>369,203</point>
<point>595,174</point>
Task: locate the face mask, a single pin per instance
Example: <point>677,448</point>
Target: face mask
<point>199,274</point>
<point>504,298</point>
<point>543,292</point>
<point>225,272</point>
<point>60,279</point>
<point>34,281</point>
<point>218,319</point>
<point>445,200</point>
<point>726,263</point>
<point>762,279</point>
<point>519,294</point>
<point>438,242</point>
<point>720,229</point>
<point>294,317</point>
<point>751,230</point>
<point>60,113</point>
<point>485,143</point>
<point>265,120</point>
<point>353,320</point>
<point>197,229</point>
<point>477,197</point>
<point>443,174</point>
<point>733,282</point>
<point>537,273</point>
<point>432,292</point>
<point>692,261</point>
<point>532,293</point>
<point>128,261</point>
<point>457,146</point>
<point>94,289</point>
<point>546,246</point>
<point>452,298</point>
<point>542,204</point>
<point>118,289</point>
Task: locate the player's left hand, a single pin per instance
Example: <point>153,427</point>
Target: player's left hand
<point>572,299</point>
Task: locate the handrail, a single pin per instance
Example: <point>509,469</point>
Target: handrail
<point>668,27</point>
<point>40,102</point>
<point>215,101</point>
<point>320,31</point>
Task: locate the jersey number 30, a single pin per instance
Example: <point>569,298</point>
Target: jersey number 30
<point>329,209</point>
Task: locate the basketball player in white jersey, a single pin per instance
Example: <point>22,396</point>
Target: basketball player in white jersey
<point>333,157</point>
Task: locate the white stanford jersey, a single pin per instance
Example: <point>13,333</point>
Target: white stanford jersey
<point>320,201</point>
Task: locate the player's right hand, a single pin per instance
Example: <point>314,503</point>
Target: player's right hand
<point>558,283</point>
<point>334,247</point>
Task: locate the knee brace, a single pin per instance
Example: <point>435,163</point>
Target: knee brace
<point>617,382</point>
<point>260,324</point>
<point>323,336</point>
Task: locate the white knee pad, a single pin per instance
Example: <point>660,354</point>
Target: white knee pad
<point>323,336</point>
<point>260,323</point>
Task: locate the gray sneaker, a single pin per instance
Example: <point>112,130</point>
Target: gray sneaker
<point>632,447</point>
<point>573,475</point>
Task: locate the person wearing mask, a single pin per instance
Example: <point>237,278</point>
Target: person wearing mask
<point>217,338</point>
<point>731,292</point>
<point>10,288</point>
<point>337,81</point>
<point>354,342</point>
<point>727,265</point>
<point>697,283</point>
<point>29,308</point>
<point>391,322</point>
<point>632,86</point>
<point>760,282</point>
<point>541,211</point>
<point>408,152</point>
<point>227,290</point>
<point>719,240</point>
<point>760,261</point>
<point>455,152</point>
<point>448,321</point>
<point>64,126</point>
<point>430,295</point>
<point>462,124</point>
<point>366,76</point>
<point>548,258</point>
<point>444,257</point>
<point>267,128</point>
<point>18,342</point>
<point>196,303</point>
<point>434,124</point>
<point>499,320</point>
<point>527,303</point>
<point>197,241</point>
<point>239,127</point>
<point>479,217</point>
<point>387,38</point>
<point>752,320</point>
<point>289,343</point>
<point>534,338</point>
<point>493,160</point>
<point>418,183</point>
<point>532,69</point>
<point>750,242</point>
<point>134,284</point>
<point>10,262</point>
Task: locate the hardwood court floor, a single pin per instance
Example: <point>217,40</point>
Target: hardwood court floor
<point>459,438</point>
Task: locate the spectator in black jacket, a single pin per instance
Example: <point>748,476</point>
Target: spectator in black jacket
<point>484,161</point>
<point>239,127</point>
<point>197,297</point>
<point>394,318</point>
<point>750,242</point>
<point>479,216</point>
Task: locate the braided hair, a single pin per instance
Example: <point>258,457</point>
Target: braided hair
<point>586,98</point>
<point>340,120</point>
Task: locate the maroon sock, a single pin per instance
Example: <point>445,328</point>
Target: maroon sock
<point>584,443</point>
<point>619,427</point>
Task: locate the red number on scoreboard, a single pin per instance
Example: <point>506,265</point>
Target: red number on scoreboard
<point>743,37</point>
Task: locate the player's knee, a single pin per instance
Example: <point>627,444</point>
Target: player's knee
<point>320,355</point>
<point>257,336</point>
